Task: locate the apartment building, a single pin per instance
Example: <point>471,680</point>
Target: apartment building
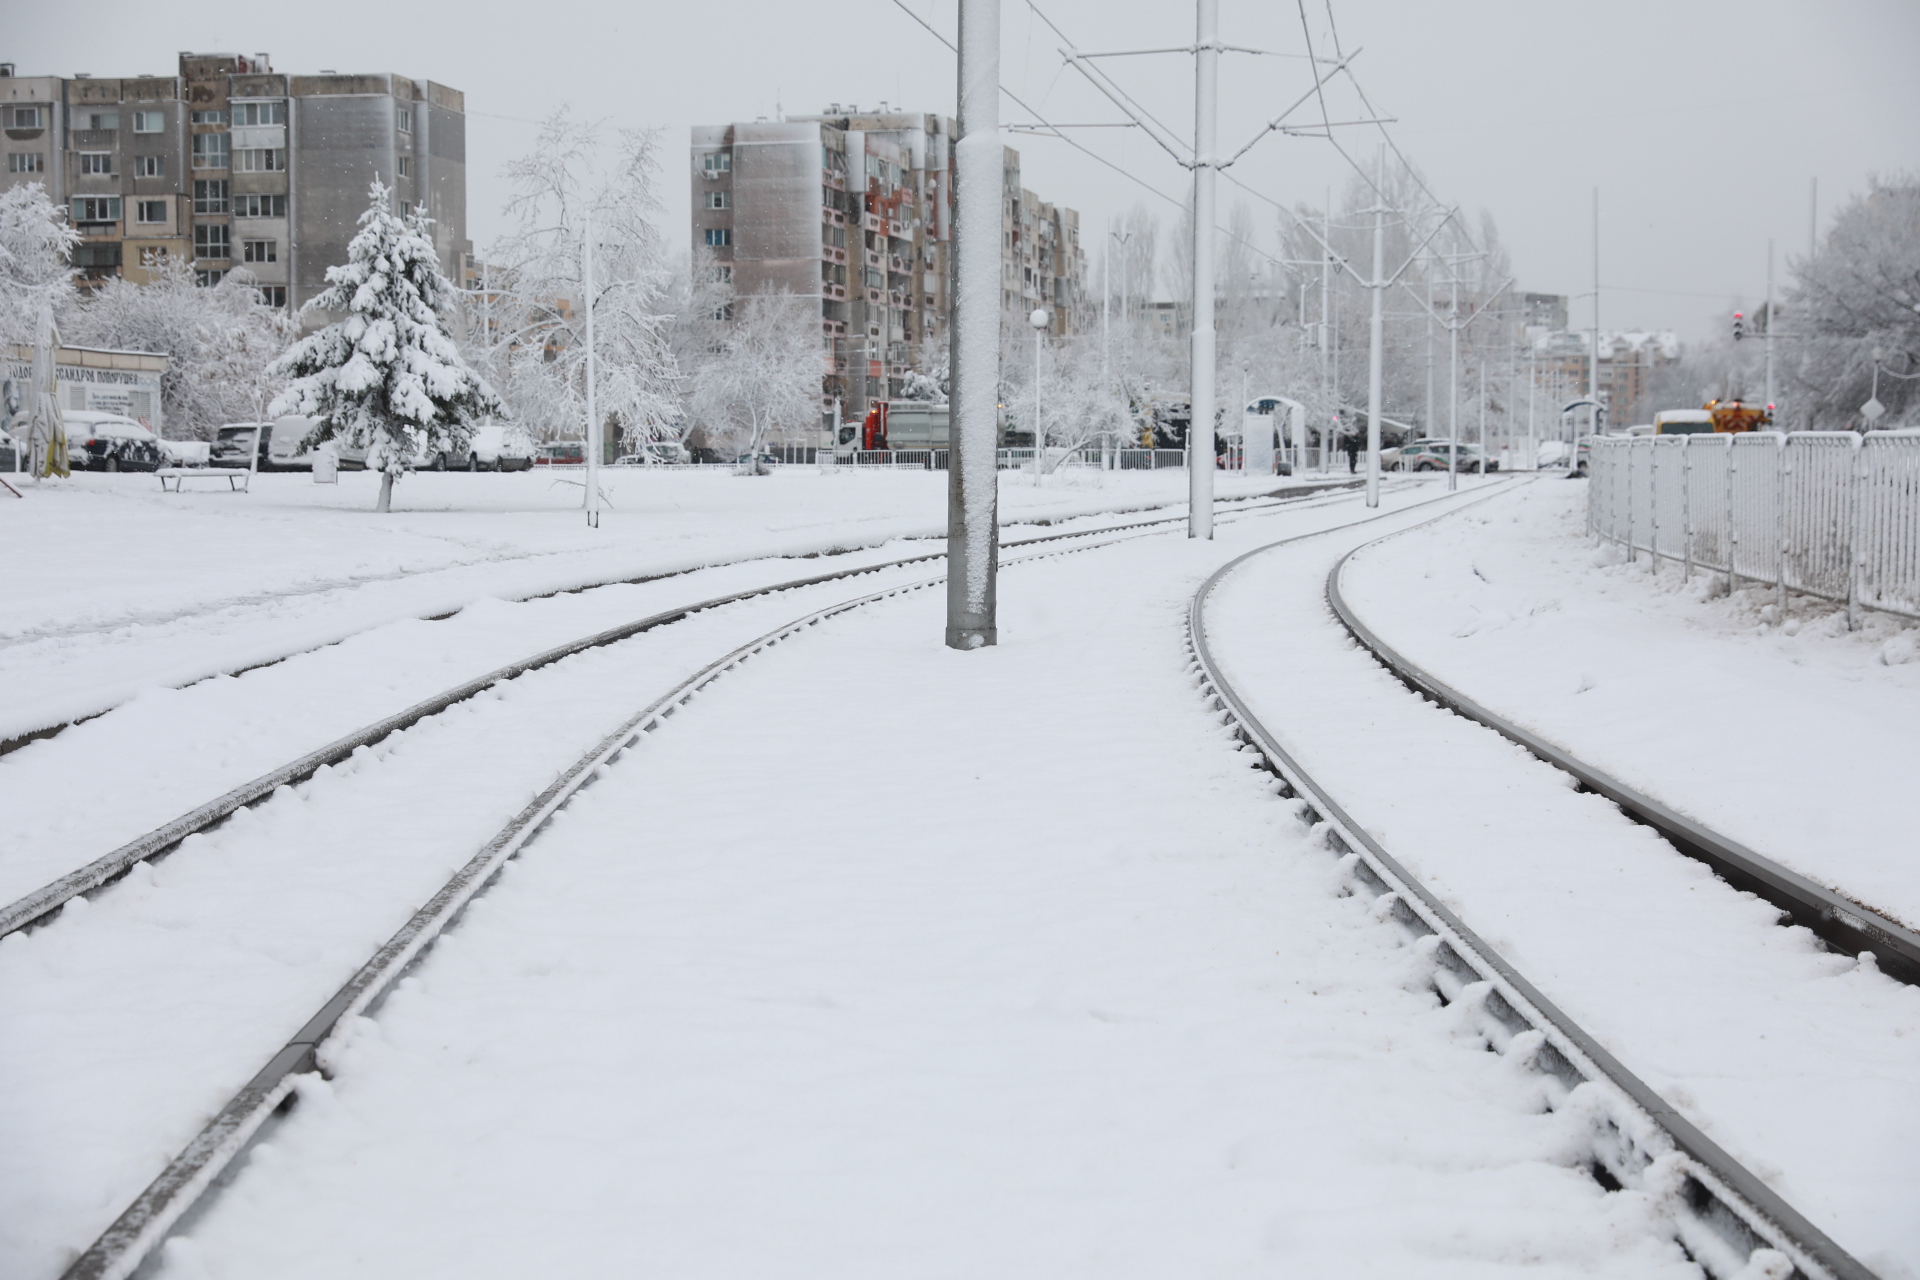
<point>228,164</point>
<point>1628,362</point>
<point>855,209</point>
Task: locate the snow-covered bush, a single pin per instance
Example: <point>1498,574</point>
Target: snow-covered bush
<point>386,377</point>
<point>219,342</point>
<point>35,244</point>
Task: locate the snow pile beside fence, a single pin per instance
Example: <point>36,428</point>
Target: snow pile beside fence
<point>1826,513</point>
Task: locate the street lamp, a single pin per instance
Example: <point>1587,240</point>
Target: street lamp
<point>1041,320</point>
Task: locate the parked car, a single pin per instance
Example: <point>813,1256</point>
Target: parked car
<point>561,453</point>
<point>99,441</point>
<point>1431,455</point>
<point>499,446</point>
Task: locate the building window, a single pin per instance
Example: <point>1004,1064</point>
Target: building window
<point>24,118</point>
<point>717,162</point>
<point>274,295</point>
<point>97,255</point>
<point>249,113</point>
<point>719,237</point>
<point>723,312</point>
<point>96,208</point>
<point>406,166</point>
<point>149,166</point>
<point>212,241</point>
<point>150,210</point>
<point>208,279</point>
<point>102,120</point>
<point>209,117</point>
<point>719,200</point>
<point>259,251</point>
<point>26,162</point>
<point>209,150</point>
<point>721,275</point>
<point>259,206</point>
<point>404,119</point>
<point>149,121</point>
<point>260,160</point>
<point>406,208</point>
<point>96,162</point>
<point>209,195</point>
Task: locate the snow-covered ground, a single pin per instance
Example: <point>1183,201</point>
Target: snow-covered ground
<point>114,586</point>
<point>1025,973</point>
<point>1800,1062</point>
<point>1788,734</point>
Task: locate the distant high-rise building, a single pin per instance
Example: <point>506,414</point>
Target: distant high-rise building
<point>231,164</point>
<point>855,209</point>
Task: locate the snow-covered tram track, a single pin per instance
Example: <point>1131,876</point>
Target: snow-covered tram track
<point>49,721</point>
<point>40,905</point>
<point>199,1168</point>
<point>1849,926</point>
<point>1725,1216</point>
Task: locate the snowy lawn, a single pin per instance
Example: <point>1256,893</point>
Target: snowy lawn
<point>1791,735</point>
<point>1800,1062</point>
<point>116,587</point>
<point>885,960</point>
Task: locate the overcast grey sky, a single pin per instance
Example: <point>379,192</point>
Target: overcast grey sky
<point>1701,121</point>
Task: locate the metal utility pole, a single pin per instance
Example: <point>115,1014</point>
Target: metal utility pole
<point>593,418</point>
<point>1593,359</point>
<point>1375,337</point>
<point>1427,422</point>
<point>974,342</point>
<point>1326,322</point>
<point>1769,326</point>
<point>1206,67</point>
<point>1040,319</point>
<point>1453,388</point>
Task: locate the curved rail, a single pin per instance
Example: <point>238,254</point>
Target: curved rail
<point>21,738</point>
<point>36,907</point>
<point>1723,1213</point>
<point>1844,924</point>
<point>202,1165</point>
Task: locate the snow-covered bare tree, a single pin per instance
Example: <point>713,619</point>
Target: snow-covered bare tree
<point>572,173</point>
<point>701,304</point>
<point>219,342</point>
<point>766,378</point>
<point>35,244</point>
<point>1860,295</point>
<point>386,377</point>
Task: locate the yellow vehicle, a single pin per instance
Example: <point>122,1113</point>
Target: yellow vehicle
<point>1733,416</point>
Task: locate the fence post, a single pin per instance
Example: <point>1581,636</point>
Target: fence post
<point>1733,524</point>
<point>1782,466</point>
<point>1856,544</point>
<point>1686,508</point>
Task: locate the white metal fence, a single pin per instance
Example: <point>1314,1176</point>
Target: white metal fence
<point>1827,513</point>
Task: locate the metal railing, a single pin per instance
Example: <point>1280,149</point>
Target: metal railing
<point>1828,514</point>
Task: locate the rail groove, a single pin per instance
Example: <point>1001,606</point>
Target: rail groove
<point>128,1245</point>
<point>1723,1215</point>
<point>1844,924</point>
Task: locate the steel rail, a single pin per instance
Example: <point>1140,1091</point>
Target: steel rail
<point>36,907</point>
<point>208,1160</point>
<point>1722,1212</point>
<point>24,737</point>
<point>1843,923</point>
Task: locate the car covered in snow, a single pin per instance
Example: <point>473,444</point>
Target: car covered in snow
<point>561,453</point>
<point>500,446</point>
<point>99,441</point>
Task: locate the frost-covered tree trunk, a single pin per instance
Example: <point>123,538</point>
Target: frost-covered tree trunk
<point>387,377</point>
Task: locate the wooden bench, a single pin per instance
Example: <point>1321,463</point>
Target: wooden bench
<point>172,478</point>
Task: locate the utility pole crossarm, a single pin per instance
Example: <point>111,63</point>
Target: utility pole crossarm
<point>1415,255</point>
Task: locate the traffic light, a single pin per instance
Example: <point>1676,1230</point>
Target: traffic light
<point>1739,326</point>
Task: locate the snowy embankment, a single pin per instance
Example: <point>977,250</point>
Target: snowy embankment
<point>1790,735</point>
<point>883,959</point>
<point>878,958</point>
<point>1799,1062</point>
<point>126,588</point>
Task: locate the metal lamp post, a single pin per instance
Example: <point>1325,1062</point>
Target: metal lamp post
<point>1040,320</point>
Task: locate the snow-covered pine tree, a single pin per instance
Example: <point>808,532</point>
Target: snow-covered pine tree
<point>387,377</point>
